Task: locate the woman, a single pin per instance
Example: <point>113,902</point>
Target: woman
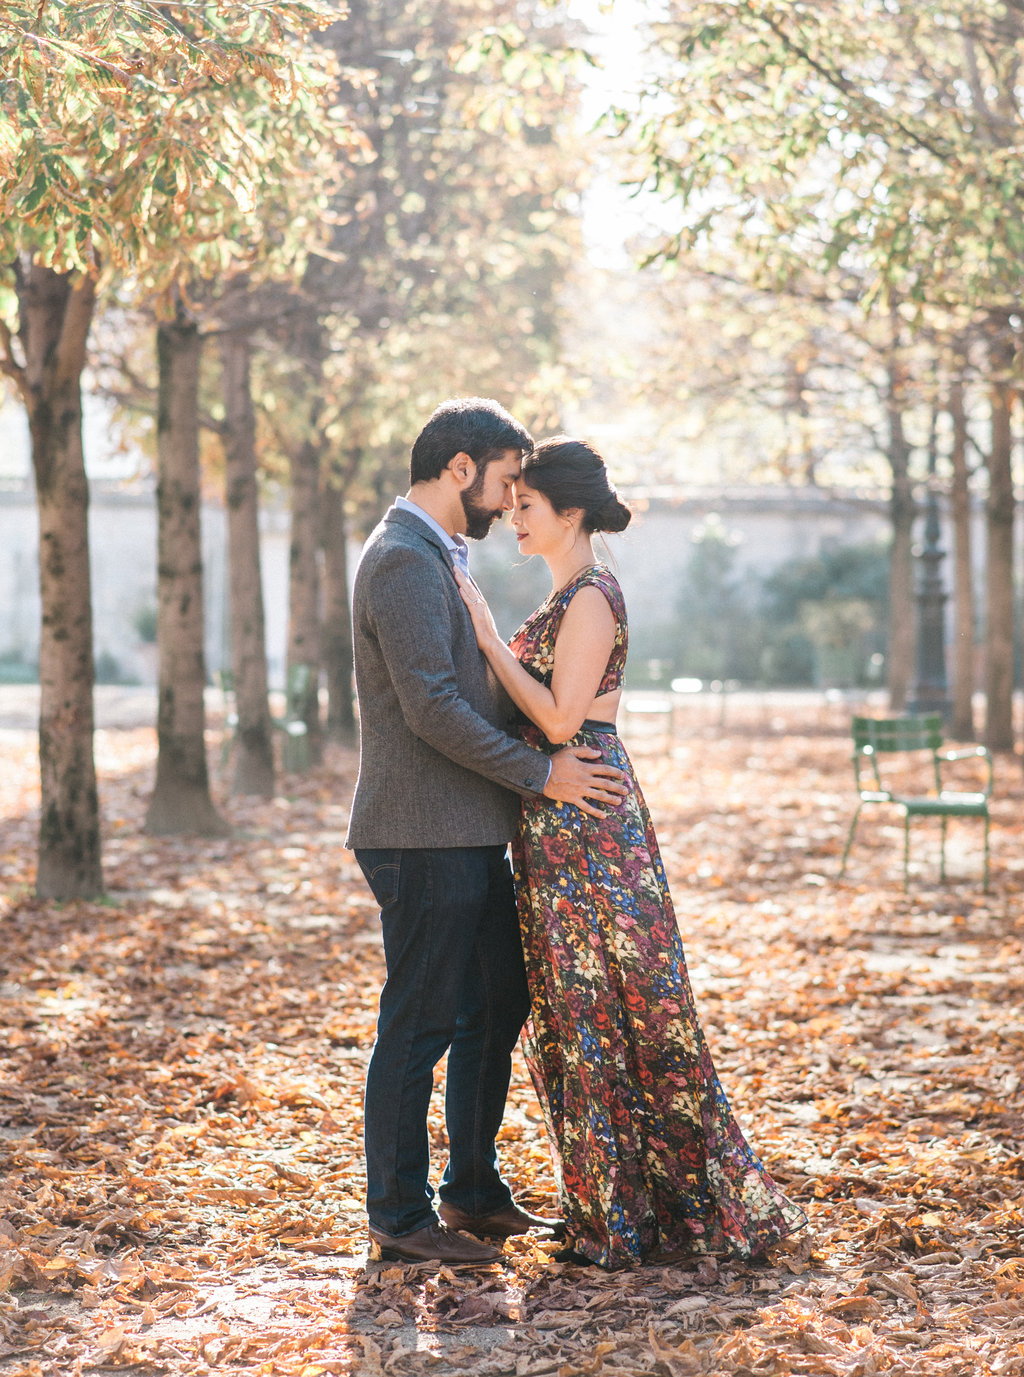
<point>650,1159</point>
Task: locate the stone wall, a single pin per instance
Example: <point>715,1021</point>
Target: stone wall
<point>122,540</point>
<point>770,525</point>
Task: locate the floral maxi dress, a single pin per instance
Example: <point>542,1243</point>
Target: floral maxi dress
<point>648,1154</point>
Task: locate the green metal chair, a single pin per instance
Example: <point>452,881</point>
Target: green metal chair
<point>226,683</point>
<point>295,751</point>
<point>874,737</point>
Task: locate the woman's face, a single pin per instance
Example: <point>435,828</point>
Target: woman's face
<point>539,528</point>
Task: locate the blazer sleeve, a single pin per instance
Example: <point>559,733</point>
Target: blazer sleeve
<point>411,617</point>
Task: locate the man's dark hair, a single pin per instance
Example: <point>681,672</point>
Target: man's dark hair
<point>476,426</point>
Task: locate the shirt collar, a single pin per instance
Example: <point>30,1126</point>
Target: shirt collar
<point>455,545</point>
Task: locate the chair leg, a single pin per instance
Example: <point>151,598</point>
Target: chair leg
<point>849,840</point>
<point>942,853</point>
<point>906,852</point>
<point>295,754</point>
<point>227,744</point>
<point>985,884</point>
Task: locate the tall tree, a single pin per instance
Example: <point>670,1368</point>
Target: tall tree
<point>962,720</point>
<point>254,749</point>
<point>304,583</point>
<point>337,626</point>
<point>123,151</point>
<point>999,524</point>
<point>55,312</point>
<point>901,568</point>
<point>181,797</point>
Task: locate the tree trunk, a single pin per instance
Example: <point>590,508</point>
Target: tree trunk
<point>55,316</point>
<point>341,717</point>
<point>999,619</point>
<point>901,565</point>
<point>254,750</point>
<point>806,463</point>
<point>962,723</point>
<point>304,584</point>
<point>181,799</point>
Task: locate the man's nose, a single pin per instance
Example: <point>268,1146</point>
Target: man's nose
<point>509,502</point>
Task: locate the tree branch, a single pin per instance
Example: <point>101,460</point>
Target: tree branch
<point>207,422</point>
<point>140,394</point>
<point>72,50</point>
<point>74,331</point>
<point>843,83</point>
<point>133,402</point>
<point>129,400</point>
<point>10,365</point>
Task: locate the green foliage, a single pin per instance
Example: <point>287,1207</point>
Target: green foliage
<point>842,571</point>
<point>161,141</point>
<point>448,248</point>
<point>109,669</point>
<point>811,620</point>
<point>717,634</point>
<point>881,144</point>
<point>828,615</point>
<point>16,669</point>
<point>144,622</point>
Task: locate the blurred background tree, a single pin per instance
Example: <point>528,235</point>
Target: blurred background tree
<point>716,636</point>
<point>125,153</point>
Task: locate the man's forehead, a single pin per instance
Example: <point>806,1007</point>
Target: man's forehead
<point>510,464</point>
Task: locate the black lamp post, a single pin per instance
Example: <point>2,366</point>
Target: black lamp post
<point>931,691</point>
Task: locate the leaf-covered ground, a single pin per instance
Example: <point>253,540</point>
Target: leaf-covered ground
<point>181,1071</point>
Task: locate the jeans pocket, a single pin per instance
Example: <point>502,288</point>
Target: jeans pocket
<point>382,870</point>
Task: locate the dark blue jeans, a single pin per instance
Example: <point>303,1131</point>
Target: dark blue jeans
<point>455,980</point>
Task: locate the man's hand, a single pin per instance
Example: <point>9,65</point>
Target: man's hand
<point>573,780</point>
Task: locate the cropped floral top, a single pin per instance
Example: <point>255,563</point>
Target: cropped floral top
<point>534,643</point>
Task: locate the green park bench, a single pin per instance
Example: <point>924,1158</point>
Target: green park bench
<point>295,752</point>
<point>226,683</point>
<point>911,738</point>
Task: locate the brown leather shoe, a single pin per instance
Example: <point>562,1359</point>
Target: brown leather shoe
<point>502,1224</point>
<point>433,1243</point>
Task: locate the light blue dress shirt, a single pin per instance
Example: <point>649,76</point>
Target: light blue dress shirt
<point>455,545</point>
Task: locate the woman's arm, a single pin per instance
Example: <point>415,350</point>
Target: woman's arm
<point>582,648</point>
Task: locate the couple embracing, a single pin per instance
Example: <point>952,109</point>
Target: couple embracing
<point>467,744</point>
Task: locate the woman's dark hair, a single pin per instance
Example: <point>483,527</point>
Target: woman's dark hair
<point>571,474</point>
<point>476,426</point>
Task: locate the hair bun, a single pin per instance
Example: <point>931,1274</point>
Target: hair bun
<point>572,476</point>
<point>613,515</point>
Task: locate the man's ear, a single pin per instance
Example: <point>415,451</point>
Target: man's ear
<point>462,468</point>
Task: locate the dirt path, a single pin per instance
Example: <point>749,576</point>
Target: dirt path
<point>181,1073</point>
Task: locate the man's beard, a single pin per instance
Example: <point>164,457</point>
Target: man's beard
<point>479,519</point>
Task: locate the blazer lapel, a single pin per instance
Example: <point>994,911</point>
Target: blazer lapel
<point>415,527</point>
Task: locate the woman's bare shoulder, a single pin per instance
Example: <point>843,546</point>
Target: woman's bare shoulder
<point>589,603</point>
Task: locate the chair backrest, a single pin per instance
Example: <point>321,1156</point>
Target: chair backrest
<point>297,688</point>
<point>921,733</point>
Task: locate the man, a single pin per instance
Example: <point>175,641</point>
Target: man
<point>435,806</point>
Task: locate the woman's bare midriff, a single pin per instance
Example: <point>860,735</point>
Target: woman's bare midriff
<point>604,708</point>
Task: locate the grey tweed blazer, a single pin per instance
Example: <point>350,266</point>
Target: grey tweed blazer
<point>435,767</point>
